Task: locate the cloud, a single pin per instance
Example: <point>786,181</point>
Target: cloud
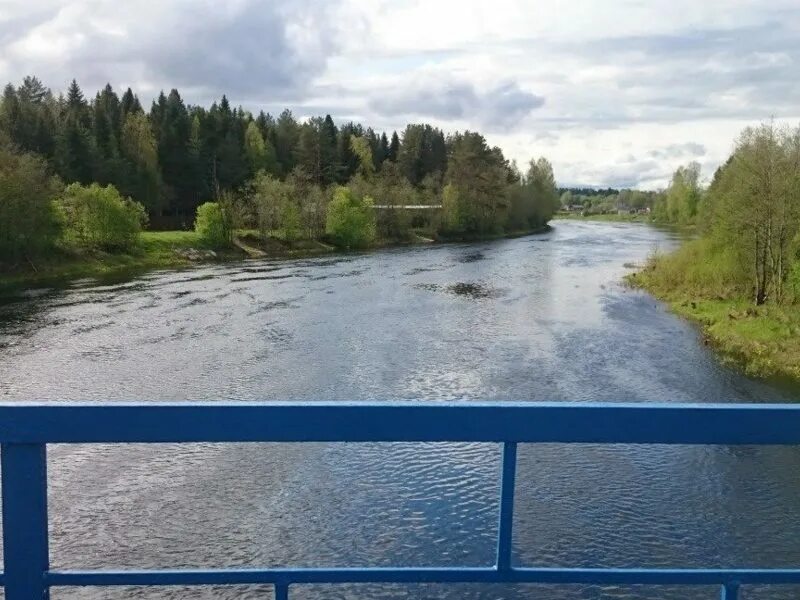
<point>244,48</point>
<point>655,80</point>
<point>687,150</point>
<point>498,107</point>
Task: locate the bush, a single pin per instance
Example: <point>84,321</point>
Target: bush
<point>212,225</point>
<point>700,268</point>
<point>351,220</point>
<point>269,197</point>
<point>29,222</point>
<point>100,218</point>
<point>794,282</point>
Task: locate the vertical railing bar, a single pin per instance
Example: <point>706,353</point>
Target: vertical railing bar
<point>506,519</point>
<point>281,591</point>
<point>730,591</point>
<point>25,544</point>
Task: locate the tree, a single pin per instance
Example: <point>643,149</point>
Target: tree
<point>287,135</point>
<point>479,177</point>
<point>29,223</point>
<point>268,197</point>
<point>394,148</point>
<point>172,128</point>
<point>362,149</point>
<point>140,149</point>
<point>259,152</point>
<point>317,150</point>
<point>74,152</point>
<point>383,153</point>
<point>351,220</point>
<point>213,226</point>
<point>683,195</point>
<point>422,153</point>
<point>100,218</point>
<point>757,206</point>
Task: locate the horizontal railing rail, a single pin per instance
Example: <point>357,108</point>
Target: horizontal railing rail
<point>26,429</point>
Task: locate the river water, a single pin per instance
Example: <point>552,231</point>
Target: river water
<point>542,317</point>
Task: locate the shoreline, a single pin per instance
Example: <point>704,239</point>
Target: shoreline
<point>762,342</point>
<point>181,250</point>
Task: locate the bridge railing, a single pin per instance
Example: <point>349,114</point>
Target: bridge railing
<point>26,429</point>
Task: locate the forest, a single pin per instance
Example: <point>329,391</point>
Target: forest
<point>88,174</point>
<point>739,275</point>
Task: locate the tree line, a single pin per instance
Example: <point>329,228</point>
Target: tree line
<point>748,220</point>
<point>278,175</point>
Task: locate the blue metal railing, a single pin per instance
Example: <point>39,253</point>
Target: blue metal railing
<point>26,429</point>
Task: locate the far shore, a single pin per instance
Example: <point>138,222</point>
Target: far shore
<point>183,249</point>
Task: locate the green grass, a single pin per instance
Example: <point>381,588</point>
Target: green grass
<point>611,217</point>
<point>763,341</point>
<point>156,250</point>
<point>161,250</point>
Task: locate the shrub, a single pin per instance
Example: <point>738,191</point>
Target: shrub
<point>212,225</point>
<point>29,222</point>
<point>290,221</point>
<point>351,220</point>
<point>100,218</point>
<point>701,268</point>
<point>794,281</point>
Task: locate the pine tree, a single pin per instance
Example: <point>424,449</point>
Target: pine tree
<point>383,150</point>
<point>173,128</point>
<point>394,148</point>
<point>328,155</point>
<point>287,137</point>
<point>74,152</point>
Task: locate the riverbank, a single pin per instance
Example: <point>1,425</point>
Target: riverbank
<point>156,250</point>
<point>182,249</point>
<point>624,218</point>
<point>762,341</point>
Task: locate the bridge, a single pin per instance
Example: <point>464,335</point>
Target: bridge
<point>408,206</point>
<point>26,429</point>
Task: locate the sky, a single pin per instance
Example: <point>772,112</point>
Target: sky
<point>614,93</point>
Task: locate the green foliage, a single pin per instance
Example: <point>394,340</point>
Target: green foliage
<point>290,221</point>
<point>701,268</point>
<point>212,225</point>
<point>269,197</point>
<point>423,152</point>
<point>480,176</point>
<point>681,202</point>
<point>139,147</point>
<point>99,217</point>
<point>29,222</point>
<point>351,220</point>
<point>755,207</point>
<point>793,281</point>
<point>535,199</point>
<point>260,153</point>
<point>174,156</point>
<point>393,192</point>
<point>361,148</point>
<point>451,219</point>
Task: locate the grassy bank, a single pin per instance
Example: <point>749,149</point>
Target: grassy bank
<point>156,250</point>
<point>177,249</point>
<point>763,341</point>
<point>626,218</point>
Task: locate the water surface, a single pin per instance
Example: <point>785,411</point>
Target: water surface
<point>536,318</point>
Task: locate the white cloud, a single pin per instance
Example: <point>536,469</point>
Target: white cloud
<point>614,93</point>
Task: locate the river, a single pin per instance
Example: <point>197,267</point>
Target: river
<point>543,317</point>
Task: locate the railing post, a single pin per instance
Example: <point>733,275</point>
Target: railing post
<point>507,484</point>
<point>25,547</point>
<point>730,591</point>
<point>281,591</point>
